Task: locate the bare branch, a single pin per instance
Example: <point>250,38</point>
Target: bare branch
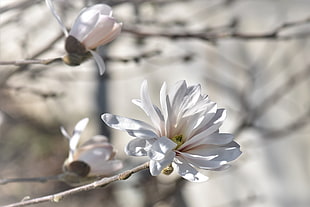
<point>35,179</point>
<point>34,61</point>
<point>288,85</point>
<point>294,126</point>
<point>211,35</point>
<point>104,181</point>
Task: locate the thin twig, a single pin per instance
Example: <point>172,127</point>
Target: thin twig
<point>34,61</point>
<point>211,36</point>
<point>287,86</point>
<point>58,196</point>
<point>35,179</point>
<point>291,128</point>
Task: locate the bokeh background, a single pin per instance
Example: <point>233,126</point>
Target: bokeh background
<point>250,56</point>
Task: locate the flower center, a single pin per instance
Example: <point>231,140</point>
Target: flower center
<point>167,170</point>
<point>178,139</point>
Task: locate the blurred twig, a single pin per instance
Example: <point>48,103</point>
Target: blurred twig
<point>19,5</point>
<point>294,126</point>
<point>36,179</point>
<point>287,86</point>
<point>34,91</point>
<point>103,182</point>
<point>211,35</point>
<point>34,61</point>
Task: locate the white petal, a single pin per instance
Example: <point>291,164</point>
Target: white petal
<point>133,127</point>
<point>64,132</point>
<point>158,111</point>
<point>214,124</point>
<point>188,172</point>
<point>160,148</point>
<point>138,147</point>
<point>156,166</point>
<point>84,24</point>
<point>95,140</point>
<point>103,9</point>
<point>213,139</point>
<point>115,31</point>
<point>87,20</point>
<point>199,124</point>
<point>89,153</point>
<point>191,97</point>
<point>78,129</point>
<point>99,61</point>
<point>80,126</point>
<point>207,157</point>
<point>205,163</point>
<point>57,17</point>
<point>100,31</point>
<point>167,110</point>
<point>177,93</point>
<point>147,105</point>
<point>104,168</point>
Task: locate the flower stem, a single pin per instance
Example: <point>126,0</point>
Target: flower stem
<point>102,182</point>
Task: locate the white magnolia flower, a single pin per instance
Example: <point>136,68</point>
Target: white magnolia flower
<point>93,27</point>
<point>184,134</point>
<point>95,157</point>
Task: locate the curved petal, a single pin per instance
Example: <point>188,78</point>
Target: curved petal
<point>156,166</point>
<point>103,9</point>
<point>64,132</point>
<point>102,29</point>
<point>115,31</point>
<point>206,157</point>
<point>133,127</point>
<point>138,102</point>
<point>205,116</point>
<point>177,93</point>
<point>87,20</point>
<point>226,152</point>
<point>104,168</point>
<point>213,139</point>
<point>191,97</point>
<point>138,147</point>
<point>57,17</point>
<point>212,126</point>
<point>204,162</point>
<point>78,129</point>
<point>148,107</point>
<point>187,171</point>
<point>160,148</point>
<point>84,24</point>
<point>99,61</point>
<point>95,152</point>
<point>167,110</point>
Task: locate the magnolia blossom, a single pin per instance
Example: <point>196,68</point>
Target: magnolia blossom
<point>95,157</point>
<point>93,27</point>
<point>184,134</point>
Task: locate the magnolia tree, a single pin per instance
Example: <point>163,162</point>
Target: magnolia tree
<point>181,139</point>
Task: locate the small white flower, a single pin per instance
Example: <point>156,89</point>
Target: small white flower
<point>184,135</point>
<point>95,157</point>
<point>93,27</point>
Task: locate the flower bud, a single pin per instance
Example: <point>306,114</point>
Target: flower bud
<point>89,160</point>
<point>95,26</point>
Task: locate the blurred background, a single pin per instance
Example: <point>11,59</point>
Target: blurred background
<point>250,56</point>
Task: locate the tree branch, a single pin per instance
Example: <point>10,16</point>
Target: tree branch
<point>211,35</point>
<point>35,179</point>
<point>58,196</point>
<point>34,61</point>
